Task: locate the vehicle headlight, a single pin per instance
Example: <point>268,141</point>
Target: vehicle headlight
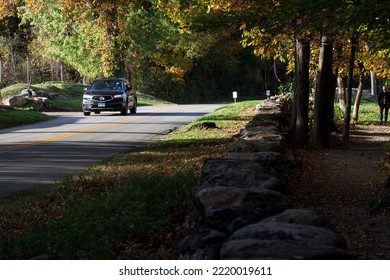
<point>87,96</point>
<point>118,96</point>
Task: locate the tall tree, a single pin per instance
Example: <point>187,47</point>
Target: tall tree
<point>323,99</point>
<point>347,117</point>
<point>359,94</point>
<point>300,110</point>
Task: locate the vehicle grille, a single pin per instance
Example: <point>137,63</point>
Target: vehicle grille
<point>102,98</point>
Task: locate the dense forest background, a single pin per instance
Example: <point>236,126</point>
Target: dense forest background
<point>203,50</point>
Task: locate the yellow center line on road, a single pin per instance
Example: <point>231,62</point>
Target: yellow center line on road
<point>70,134</point>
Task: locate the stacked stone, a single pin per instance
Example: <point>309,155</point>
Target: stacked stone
<point>243,208</point>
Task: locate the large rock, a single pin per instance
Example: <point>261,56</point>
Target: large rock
<point>283,103</point>
<point>15,101</point>
<point>42,102</point>
<point>229,209</point>
<point>201,244</point>
<point>270,105</point>
<point>271,162</point>
<point>229,197</point>
<point>255,249</point>
<point>49,95</point>
<point>262,158</point>
<point>300,216</point>
<point>263,122</point>
<point>231,173</point>
<point>258,129</point>
<point>241,145</point>
<point>271,137</point>
<point>26,92</point>
<point>238,173</point>
<point>276,240</point>
<point>231,219</point>
<point>42,93</point>
<point>294,233</point>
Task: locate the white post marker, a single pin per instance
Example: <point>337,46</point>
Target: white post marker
<point>268,93</point>
<point>234,96</point>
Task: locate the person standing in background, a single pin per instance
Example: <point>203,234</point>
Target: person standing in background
<point>384,103</point>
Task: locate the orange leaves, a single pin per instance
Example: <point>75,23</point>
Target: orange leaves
<point>265,44</point>
<point>8,8</point>
<point>175,66</point>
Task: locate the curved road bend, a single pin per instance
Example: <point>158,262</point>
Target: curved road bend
<point>41,154</point>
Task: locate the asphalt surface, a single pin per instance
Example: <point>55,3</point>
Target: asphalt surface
<point>37,155</point>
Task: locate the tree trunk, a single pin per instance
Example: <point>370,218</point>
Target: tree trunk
<point>347,117</point>
<point>12,58</point>
<point>265,84</point>
<point>341,81</point>
<point>373,83</point>
<point>323,99</point>
<point>275,68</point>
<point>28,75</point>
<point>62,73</point>
<point>113,61</point>
<point>355,115</point>
<point>300,113</point>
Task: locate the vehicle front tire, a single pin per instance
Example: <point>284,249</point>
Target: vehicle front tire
<point>87,113</point>
<point>133,110</point>
<point>124,112</point>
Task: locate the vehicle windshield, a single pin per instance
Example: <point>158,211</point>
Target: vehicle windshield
<point>107,85</point>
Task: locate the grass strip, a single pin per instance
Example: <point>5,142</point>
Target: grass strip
<point>19,116</point>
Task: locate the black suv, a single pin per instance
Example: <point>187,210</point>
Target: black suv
<point>109,94</point>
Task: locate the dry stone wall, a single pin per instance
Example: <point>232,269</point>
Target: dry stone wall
<point>243,210</point>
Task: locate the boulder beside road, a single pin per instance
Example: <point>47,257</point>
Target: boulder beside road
<point>15,101</point>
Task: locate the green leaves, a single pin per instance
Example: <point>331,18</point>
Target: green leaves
<point>74,45</point>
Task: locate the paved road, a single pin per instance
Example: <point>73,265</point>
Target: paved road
<point>40,154</point>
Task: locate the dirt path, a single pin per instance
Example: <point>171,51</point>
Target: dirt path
<point>347,186</point>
